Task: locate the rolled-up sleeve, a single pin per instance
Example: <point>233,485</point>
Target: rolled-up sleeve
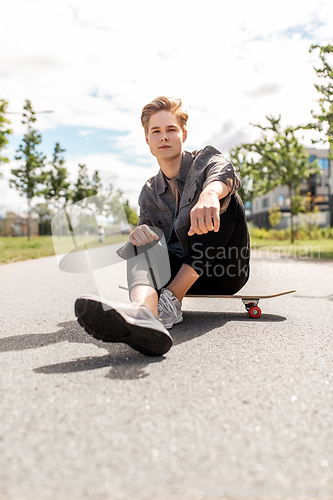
<point>218,169</point>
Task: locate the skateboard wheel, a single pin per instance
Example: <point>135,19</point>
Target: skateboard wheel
<point>255,312</point>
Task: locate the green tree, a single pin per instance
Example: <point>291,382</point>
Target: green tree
<point>245,163</point>
<point>96,182</point>
<point>113,202</point>
<point>297,203</point>
<point>311,211</point>
<point>57,186</point>
<point>84,186</point>
<point>86,191</point>
<point>131,215</point>
<point>276,158</point>
<point>27,177</point>
<point>5,131</point>
<point>46,215</point>
<point>325,117</point>
<point>97,202</point>
<point>275,215</point>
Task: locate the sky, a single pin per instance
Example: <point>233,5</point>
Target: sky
<point>96,64</point>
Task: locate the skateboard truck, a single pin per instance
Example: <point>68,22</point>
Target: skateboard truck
<point>252,307</point>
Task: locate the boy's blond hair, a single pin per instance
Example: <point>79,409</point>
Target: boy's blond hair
<point>164,103</point>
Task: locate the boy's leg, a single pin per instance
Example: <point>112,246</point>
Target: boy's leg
<point>183,281</point>
<point>135,324</point>
<point>147,272</point>
<point>145,295</point>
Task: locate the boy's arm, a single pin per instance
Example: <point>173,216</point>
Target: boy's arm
<point>220,182</point>
<point>205,215</point>
<point>142,234</point>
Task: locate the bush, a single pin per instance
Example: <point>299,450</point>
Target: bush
<point>260,233</point>
<point>327,232</point>
<point>302,232</point>
<point>314,232</point>
<point>280,234</point>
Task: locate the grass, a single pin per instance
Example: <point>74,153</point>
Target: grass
<point>311,241</point>
<point>19,248</point>
<point>314,249</point>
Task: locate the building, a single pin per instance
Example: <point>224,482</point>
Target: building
<point>319,185</point>
<point>16,224</point>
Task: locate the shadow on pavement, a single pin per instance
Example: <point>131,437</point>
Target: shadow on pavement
<point>125,363</point>
<point>198,323</point>
<point>124,366</point>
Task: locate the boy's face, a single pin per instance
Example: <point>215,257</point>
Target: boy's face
<point>165,137</point>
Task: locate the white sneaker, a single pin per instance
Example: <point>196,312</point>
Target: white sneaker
<point>169,309</point>
<point>132,324</point>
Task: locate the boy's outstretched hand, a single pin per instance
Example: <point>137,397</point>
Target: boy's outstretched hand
<point>142,235</point>
<point>205,215</point>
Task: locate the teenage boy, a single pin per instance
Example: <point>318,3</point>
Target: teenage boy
<point>193,203</point>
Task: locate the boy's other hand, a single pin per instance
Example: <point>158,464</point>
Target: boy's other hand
<point>142,235</point>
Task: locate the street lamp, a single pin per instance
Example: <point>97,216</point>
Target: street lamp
<point>20,112</point>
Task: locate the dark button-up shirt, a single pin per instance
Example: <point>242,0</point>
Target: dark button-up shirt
<point>197,170</point>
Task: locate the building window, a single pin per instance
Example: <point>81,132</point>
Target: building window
<point>281,200</point>
<point>323,163</point>
<point>265,203</point>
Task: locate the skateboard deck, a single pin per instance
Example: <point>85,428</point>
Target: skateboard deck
<point>250,301</point>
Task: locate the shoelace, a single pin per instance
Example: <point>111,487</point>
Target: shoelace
<point>166,302</point>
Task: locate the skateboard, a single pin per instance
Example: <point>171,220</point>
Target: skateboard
<point>250,301</point>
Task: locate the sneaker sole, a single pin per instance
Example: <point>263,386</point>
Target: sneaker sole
<point>108,325</point>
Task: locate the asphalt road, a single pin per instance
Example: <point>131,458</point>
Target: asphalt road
<point>237,403</point>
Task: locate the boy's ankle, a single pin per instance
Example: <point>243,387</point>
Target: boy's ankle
<point>176,294</point>
<point>151,309</point>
